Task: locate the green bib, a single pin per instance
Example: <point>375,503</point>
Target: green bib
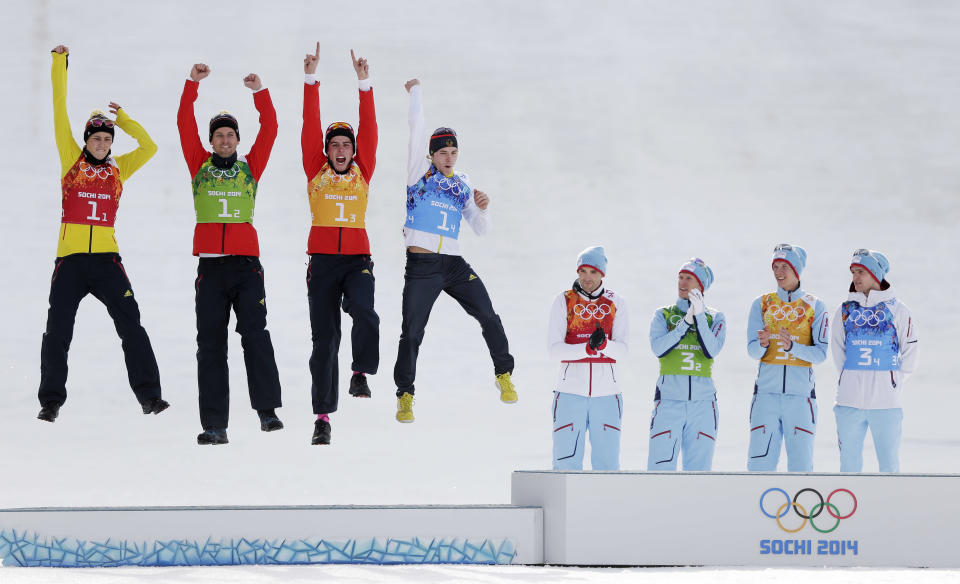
<point>687,357</point>
<point>224,196</point>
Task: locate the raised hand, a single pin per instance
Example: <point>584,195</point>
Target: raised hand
<point>481,199</point>
<point>114,107</point>
<point>61,50</point>
<point>310,61</point>
<point>359,65</point>
<point>252,81</point>
<point>199,71</point>
<point>409,84</point>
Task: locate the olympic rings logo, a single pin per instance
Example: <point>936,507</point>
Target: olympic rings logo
<point>868,316</point>
<point>591,311</point>
<point>223,173</point>
<point>675,319</point>
<point>801,511</point>
<point>450,185</point>
<point>101,172</point>
<point>785,312</point>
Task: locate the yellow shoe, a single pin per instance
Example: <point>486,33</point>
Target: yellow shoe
<point>508,394</point>
<point>405,408</point>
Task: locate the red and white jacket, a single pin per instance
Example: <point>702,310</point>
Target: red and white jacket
<point>573,318</point>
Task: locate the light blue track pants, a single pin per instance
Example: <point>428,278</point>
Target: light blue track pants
<point>574,416</point>
<point>885,427</point>
<point>782,416</point>
<point>683,426</point>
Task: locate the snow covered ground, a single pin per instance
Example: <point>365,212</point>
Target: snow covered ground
<point>660,130</point>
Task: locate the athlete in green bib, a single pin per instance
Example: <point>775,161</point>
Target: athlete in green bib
<point>686,337</point>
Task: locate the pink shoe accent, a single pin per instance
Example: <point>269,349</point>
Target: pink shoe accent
<point>324,417</point>
<point>360,373</point>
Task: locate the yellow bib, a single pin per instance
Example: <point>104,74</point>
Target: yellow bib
<point>338,200</point>
<point>797,318</point>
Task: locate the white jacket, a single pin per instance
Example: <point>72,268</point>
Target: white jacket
<point>417,165</point>
<point>875,390</point>
<point>587,378</point>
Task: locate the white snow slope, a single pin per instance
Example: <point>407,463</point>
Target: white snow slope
<point>660,130</point>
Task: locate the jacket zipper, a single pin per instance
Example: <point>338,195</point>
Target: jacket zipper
<point>784,379</point>
<point>339,238</point>
<point>689,387</point>
<point>223,239</point>
<point>90,243</point>
<point>590,392</point>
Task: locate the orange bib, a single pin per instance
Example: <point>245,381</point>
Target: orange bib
<point>797,318</point>
<point>338,200</point>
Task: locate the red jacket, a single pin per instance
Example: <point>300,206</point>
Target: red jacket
<point>225,238</point>
<point>337,240</point>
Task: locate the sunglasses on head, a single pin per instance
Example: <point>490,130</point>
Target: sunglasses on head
<point>783,247</point>
<point>339,125</point>
<point>97,122</point>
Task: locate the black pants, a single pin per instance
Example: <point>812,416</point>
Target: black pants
<point>335,281</point>
<point>222,283</point>
<point>101,274</point>
<point>426,276</point>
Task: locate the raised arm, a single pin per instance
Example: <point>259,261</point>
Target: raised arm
<point>66,146</point>
<point>367,131</point>
<point>260,152</point>
<point>417,163</point>
<point>193,151</point>
<point>130,162</point>
<point>311,135</point>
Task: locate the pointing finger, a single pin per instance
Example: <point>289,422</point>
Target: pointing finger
<point>317,53</point>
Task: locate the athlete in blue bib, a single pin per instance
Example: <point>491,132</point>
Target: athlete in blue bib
<point>875,348</point>
<point>438,200</point>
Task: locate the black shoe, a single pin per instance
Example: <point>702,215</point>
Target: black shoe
<point>213,436</point>
<point>49,412</point>
<point>321,433</point>
<point>154,406</point>
<point>269,420</point>
<point>358,385</point>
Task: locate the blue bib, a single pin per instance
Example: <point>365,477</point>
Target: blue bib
<point>435,204</point>
<point>872,343</point>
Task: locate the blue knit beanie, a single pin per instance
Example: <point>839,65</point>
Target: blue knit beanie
<point>794,255</point>
<point>699,270</point>
<point>872,261</point>
<point>593,257</point>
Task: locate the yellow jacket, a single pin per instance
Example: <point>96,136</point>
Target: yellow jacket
<point>76,238</point>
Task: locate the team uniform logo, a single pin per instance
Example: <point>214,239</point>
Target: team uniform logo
<point>872,343</point>
<point>91,193</point>
<point>435,204</point>
<point>796,318</point>
<point>338,200</point>
<point>224,195</point>
<point>583,316</point>
<point>687,357</point>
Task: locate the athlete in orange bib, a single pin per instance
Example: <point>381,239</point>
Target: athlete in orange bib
<point>339,165</point>
<point>88,261</point>
<point>788,333</point>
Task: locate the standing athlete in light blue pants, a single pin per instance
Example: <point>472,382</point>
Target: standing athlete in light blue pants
<point>875,349</point>
<point>587,333</point>
<point>788,332</point>
<point>686,337</point>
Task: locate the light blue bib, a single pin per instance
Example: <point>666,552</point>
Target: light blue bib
<point>872,343</point>
<point>435,204</point>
